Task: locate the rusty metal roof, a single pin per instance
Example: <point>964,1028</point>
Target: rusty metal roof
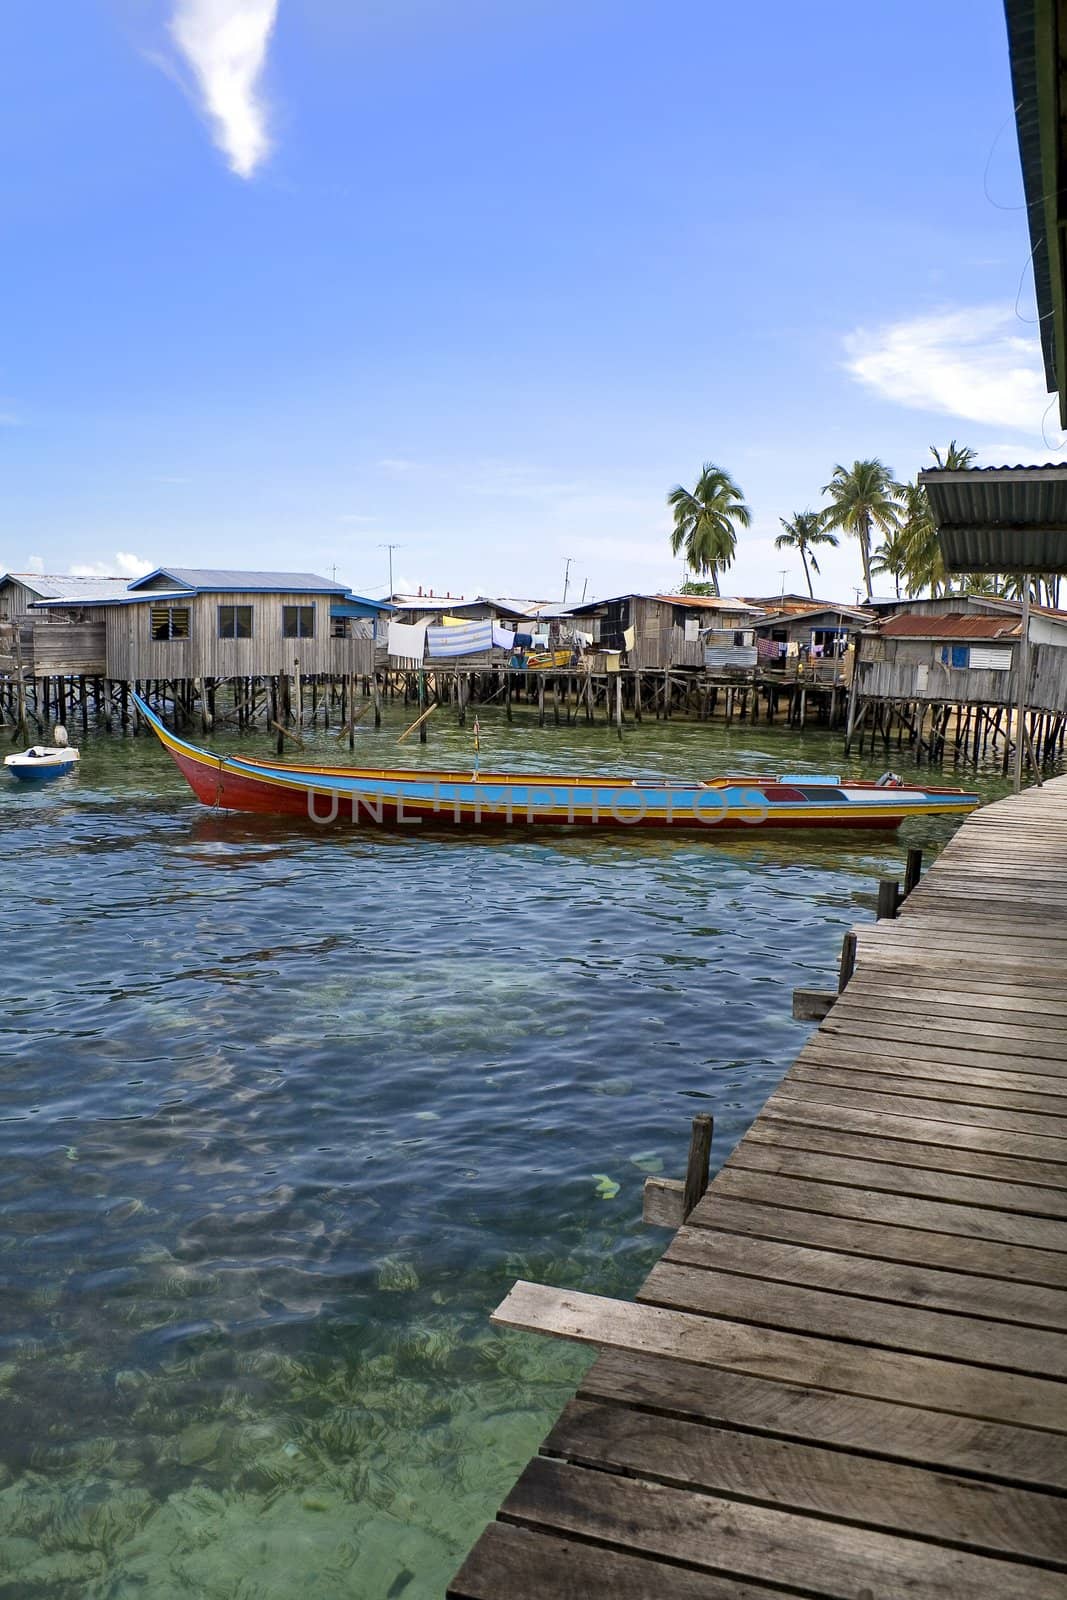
<point>1000,519</point>
<point>952,626</point>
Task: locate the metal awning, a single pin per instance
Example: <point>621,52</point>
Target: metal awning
<point>1000,519</point>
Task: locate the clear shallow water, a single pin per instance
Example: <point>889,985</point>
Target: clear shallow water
<point>285,1111</point>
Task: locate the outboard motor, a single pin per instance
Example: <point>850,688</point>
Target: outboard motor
<point>889,780</point>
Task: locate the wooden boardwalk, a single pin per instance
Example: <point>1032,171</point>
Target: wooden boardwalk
<point>847,1376</point>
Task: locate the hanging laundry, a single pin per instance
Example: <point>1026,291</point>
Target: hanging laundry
<point>463,641</point>
<point>629,637</point>
<point>454,622</point>
<point>503,638</point>
<point>407,640</point>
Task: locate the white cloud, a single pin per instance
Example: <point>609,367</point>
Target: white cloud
<point>399,464</point>
<point>34,563</point>
<point>976,363</point>
<point>124,564</point>
<point>225,43</point>
<point>1013,453</point>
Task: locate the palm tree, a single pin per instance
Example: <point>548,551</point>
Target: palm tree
<point>892,556</point>
<point>706,520</point>
<point>805,530</point>
<point>862,497</point>
<point>956,457</point>
<point>924,565</point>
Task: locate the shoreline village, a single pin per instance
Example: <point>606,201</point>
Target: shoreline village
<point>533,810</point>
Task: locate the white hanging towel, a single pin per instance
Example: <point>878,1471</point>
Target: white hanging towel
<point>503,639</point>
<point>407,640</point>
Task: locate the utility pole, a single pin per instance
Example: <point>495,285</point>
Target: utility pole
<point>390,548</point>
<point>781,592</point>
<point>566,577</point>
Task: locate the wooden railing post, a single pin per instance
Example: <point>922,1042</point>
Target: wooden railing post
<point>696,1172</point>
<point>888,897</point>
<point>848,962</point>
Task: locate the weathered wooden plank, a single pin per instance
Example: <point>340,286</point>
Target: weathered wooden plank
<point>513,1563</point>
<point>1020,1027</point>
<point>859,1053</point>
<point>945,1111</point>
<point>990,1520</point>
<point>907,1152</point>
<point>972,1391</point>
<point>903,1211</point>
<point>800,1308</point>
<point>837,1114</point>
<point>857,1075</point>
<point>927,1041</point>
<point>874,1428</point>
<point>811,1005</point>
<point>763,1210</point>
<point>959,997</point>
<point>662,1202</point>
<point>956,1187</point>
<point>774,1261</point>
<point>813,1554</point>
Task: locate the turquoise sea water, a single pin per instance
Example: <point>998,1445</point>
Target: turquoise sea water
<point>285,1111</point>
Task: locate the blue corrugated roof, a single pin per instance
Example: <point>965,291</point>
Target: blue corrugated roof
<point>231,578</point>
<point>57,586</point>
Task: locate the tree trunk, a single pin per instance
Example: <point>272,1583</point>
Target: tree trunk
<point>864,532</point>
<point>807,574</point>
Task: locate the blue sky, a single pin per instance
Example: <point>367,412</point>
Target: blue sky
<point>284,282</point>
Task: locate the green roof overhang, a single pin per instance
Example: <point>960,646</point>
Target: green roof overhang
<point>1037,39</point>
<point>1000,519</point>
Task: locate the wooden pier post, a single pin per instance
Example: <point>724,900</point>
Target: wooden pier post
<point>698,1165</point>
<point>888,898</point>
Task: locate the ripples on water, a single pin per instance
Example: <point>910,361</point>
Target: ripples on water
<point>286,1111</point>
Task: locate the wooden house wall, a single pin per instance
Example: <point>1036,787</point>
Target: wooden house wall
<point>133,654</point>
<point>16,648</point>
<point>915,671</point>
<point>15,600</point>
<point>68,649</point>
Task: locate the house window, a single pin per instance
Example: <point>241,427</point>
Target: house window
<point>235,622</point>
<point>298,622</point>
<point>339,628</point>
<point>957,656</point>
<point>169,622</point>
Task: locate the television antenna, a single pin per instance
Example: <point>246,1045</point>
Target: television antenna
<point>390,548</point>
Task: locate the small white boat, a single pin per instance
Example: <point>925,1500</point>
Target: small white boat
<point>41,762</point>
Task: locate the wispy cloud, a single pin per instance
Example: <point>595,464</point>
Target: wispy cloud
<point>34,564</point>
<point>400,464</point>
<point>975,362</point>
<point>225,43</point>
<point>123,564</point>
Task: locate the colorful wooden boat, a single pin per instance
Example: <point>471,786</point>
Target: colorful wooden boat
<point>548,660</point>
<point>41,763</point>
<point>362,795</point>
